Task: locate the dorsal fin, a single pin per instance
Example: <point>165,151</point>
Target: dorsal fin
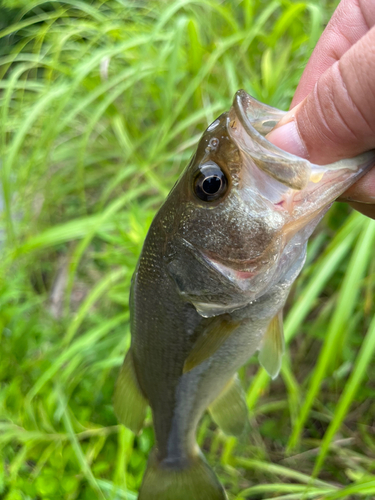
<point>273,345</point>
<point>211,339</point>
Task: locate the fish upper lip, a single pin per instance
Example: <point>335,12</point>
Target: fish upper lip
<point>265,117</point>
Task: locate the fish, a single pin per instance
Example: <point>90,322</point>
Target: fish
<point>210,285</point>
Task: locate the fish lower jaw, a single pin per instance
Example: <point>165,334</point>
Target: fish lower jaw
<point>251,282</point>
<point>210,309</point>
<point>231,272</point>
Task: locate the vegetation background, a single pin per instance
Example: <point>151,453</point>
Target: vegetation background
<point>102,103</point>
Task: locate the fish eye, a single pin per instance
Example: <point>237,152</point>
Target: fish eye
<point>210,183</point>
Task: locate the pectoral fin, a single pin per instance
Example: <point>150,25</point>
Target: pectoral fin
<point>129,403</point>
<point>272,349</point>
<point>229,410</point>
<point>211,339</point>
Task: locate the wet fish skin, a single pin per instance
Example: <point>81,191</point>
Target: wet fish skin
<point>212,276</point>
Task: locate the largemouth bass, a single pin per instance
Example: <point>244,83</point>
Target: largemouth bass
<point>210,285</point>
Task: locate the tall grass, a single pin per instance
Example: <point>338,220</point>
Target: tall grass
<point>102,104</point>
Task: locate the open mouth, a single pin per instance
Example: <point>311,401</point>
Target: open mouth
<point>249,122</point>
<point>256,121</point>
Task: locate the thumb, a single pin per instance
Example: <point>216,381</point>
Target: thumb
<point>337,119</point>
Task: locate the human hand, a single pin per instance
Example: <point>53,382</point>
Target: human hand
<point>333,109</point>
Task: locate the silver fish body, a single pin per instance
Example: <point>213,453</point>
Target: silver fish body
<point>211,282</point>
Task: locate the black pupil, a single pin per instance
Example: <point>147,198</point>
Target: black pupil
<point>212,184</point>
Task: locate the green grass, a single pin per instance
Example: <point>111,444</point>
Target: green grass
<point>102,104</point>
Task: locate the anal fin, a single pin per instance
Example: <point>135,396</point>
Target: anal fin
<point>273,346</point>
<point>229,410</point>
<point>129,403</point>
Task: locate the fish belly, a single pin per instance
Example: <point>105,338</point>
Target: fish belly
<point>198,388</point>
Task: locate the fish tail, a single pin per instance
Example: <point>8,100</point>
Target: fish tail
<point>194,480</point>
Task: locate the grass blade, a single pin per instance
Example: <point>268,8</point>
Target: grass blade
<point>363,360</point>
<point>347,298</point>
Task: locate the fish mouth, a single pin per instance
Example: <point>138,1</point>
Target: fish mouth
<point>284,179</point>
<point>256,120</point>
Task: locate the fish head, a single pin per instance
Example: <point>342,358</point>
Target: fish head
<point>244,207</point>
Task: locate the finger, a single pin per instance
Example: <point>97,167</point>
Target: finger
<point>363,190</point>
<point>337,119</point>
<point>350,22</point>
<point>368,210</point>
